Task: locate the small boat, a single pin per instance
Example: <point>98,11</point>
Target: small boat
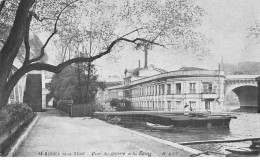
<point>244,150</point>
<point>253,149</point>
<point>158,126</point>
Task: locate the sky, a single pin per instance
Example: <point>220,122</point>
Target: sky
<point>225,24</point>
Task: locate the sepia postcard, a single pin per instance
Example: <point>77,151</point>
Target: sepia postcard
<point>129,78</point>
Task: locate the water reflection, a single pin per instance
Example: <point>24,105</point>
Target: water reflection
<point>247,125</point>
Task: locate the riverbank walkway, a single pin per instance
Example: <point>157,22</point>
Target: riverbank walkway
<point>57,134</point>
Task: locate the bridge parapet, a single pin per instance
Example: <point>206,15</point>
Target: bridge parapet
<point>241,76</point>
<point>241,79</point>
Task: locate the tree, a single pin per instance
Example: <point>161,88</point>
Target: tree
<point>65,86</point>
<point>60,18</point>
<point>121,104</point>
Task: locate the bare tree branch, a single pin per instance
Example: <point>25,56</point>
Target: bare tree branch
<point>157,36</point>
<point>53,33</point>
<point>99,39</point>
<point>57,69</point>
<point>132,32</point>
<point>41,19</point>
<point>64,54</point>
<point>108,50</point>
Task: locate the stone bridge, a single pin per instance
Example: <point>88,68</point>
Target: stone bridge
<point>245,87</point>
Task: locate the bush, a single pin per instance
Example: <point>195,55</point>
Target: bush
<point>14,112</point>
<point>98,107</point>
<point>110,119</point>
<point>121,104</point>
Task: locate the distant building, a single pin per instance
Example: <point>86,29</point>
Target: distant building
<point>36,89</point>
<point>113,80</point>
<point>104,96</point>
<point>156,89</point>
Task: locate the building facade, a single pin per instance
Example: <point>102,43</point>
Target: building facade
<point>154,89</point>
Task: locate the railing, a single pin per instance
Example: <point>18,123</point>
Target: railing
<point>207,91</point>
<point>65,105</point>
<point>78,110</point>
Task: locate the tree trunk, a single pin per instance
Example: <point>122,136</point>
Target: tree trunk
<point>1,93</point>
<point>7,89</point>
<point>88,81</point>
<point>79,83</point>
<point>11,48</point>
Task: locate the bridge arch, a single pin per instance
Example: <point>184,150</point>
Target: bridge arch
<point>245,87</point>
<point>247,95</point>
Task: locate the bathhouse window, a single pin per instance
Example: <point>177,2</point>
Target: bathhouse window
<point>193,105</point>
<point>192,88</point>
<point>178,88</point>
<point>163,105</point>
<point>168,88</point>
<point>210,87</point>
<point>207,87</point>
<point>178,105</point>
<point>163,89</point>
<point>169,105</point>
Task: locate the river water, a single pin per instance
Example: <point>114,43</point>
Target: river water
<point>247,125</point>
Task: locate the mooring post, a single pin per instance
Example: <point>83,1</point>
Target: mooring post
<point>258,93</point>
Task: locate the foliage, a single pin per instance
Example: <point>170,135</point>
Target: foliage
<point>36,45</point>
<point>121,104</point>
<point>170,23</point>
<point>6,20</point>
<point>91,29</point>
<point>14,112</point>
<point>110,119</point>
<point>98,107</point>
<point>65,86</point>
<point>254,30</point>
